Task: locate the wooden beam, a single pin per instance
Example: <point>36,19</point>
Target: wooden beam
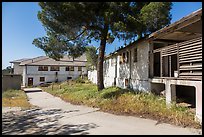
<point>166,41</point>
<point>161,64</point>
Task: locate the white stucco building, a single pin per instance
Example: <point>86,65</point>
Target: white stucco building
<point>168,60</point>
<point>43,69</point>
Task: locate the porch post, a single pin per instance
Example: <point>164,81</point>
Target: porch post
<point>170,92</point>
<point>198,116</point>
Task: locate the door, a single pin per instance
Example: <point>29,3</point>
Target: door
<point>30,81</point>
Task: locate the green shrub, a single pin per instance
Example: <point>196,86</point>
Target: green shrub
<point>80,80</point>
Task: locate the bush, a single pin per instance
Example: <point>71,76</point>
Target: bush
<point>80,80</point>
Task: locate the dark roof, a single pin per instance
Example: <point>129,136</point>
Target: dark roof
<point>161,31</point>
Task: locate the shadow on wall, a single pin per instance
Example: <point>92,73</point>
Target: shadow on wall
<point>40,122</point>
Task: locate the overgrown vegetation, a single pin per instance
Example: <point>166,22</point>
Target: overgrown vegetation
<point>122,101</point>
<point>15,98</point>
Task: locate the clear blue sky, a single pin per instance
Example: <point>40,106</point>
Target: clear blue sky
<point>20,26</point>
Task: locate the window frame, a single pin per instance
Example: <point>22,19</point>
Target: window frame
<point>135,55</point>
<point>127,57</point>
<point>42,80</point>
<point>51,68</point>
<point>80,67</point>
<point>42,68</point>
<point>67,68</point>
<point>70,68</point>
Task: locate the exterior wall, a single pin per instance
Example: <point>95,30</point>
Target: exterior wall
<point>17,69</point>
<point>136,72</point>
<point>50,76</point>
<point>24,83</point>
<point>92,76</point>
<point>11,82</point>
<point>109,71</point>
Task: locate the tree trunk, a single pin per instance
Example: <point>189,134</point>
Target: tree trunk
<point>101,59</point>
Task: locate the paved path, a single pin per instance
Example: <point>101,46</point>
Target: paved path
<point>55,116</point>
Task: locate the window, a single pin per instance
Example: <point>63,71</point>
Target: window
<point>54,68</point>
<point>71,68</point>
<point>79,68</point>
<point>123,57</point>
<point>68,78</point>
<point>113,61</point>
<point>67,68</point>
<point>42,79</point>
<point>135,55</point>
<point>127,57</point>
<point>126,82</point>
<point>42,68</point>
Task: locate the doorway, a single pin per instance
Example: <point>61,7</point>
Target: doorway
<point>157,64</point>
<point>30,81</point>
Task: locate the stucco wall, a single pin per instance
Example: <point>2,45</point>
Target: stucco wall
<point>50,76</point>
<point>138,74</point>
<point>11,82</point>
<point>109,71</point>
<point>92,76</point>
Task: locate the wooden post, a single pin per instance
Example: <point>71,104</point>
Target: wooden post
<point>170,66</point>
<point>161,63</point>
<point>177,58</point>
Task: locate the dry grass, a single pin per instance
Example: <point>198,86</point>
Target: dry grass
<point>125,102</point>
<point>15,98</point>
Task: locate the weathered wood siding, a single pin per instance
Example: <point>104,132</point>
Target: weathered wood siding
<point>190,58</point>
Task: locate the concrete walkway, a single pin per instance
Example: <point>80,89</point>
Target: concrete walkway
<point>55,116</point>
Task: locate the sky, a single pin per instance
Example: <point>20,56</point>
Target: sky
<point>20,26</point>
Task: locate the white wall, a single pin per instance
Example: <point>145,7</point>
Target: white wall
<point>138,74</point>
<point>92,76</point>
<point>109,71</point>
<point>50,76</point>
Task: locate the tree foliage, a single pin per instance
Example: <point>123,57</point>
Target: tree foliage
<point>92,56</point>
<point>71,26</point>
